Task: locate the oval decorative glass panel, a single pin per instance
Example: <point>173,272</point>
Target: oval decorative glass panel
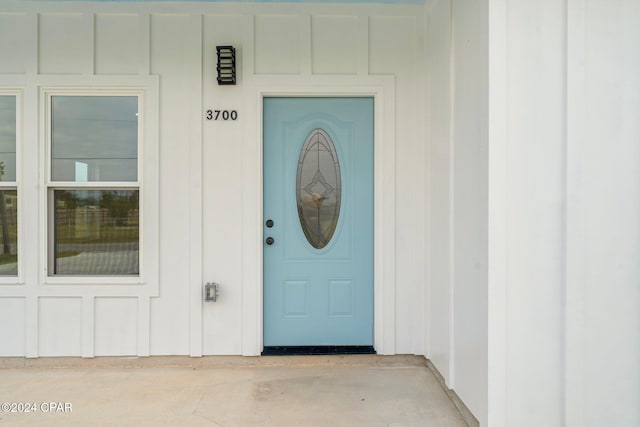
<point>318,188</point>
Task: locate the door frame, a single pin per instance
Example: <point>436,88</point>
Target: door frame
<point>381,89</point>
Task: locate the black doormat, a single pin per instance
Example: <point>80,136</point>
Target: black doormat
<point>318,349</point>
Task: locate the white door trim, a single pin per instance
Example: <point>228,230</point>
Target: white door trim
<point>381,88</point>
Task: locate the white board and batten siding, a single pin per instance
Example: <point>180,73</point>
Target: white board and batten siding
<point>207,196</point>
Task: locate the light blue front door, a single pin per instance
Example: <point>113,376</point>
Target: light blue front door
<point>318,229</point>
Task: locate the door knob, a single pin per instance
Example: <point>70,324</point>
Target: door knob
<point>270,241</point>
<point>269,223</point>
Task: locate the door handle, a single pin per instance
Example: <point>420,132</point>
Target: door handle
<point>270,241</point>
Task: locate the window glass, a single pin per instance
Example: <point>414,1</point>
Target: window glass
<point>7,138</point>
<point>9,230</point>
<point>94,138</point>
<point>96,232</point>
<point>318,188</point>
<point>8,195</point>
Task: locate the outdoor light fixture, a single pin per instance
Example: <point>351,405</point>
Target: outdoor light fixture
<point>226,65</point>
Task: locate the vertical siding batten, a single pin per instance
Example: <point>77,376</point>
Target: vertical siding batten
<point>497,209</point>
<point>195,187</point>
<point>575,228</point>
<point>363,45</point>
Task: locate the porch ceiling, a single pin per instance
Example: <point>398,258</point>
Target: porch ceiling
<point>241,1</point>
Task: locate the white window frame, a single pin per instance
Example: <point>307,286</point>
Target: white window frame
<point>16,185</point>
<point>148,192</point>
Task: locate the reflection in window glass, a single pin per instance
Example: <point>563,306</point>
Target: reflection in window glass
<point>9,229</point>
<point>94,138</point>
<point>318,188</point>
<point>96,232</point>
<point>7,138</point>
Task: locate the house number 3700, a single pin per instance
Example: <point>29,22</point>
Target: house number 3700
<point>222,115</point>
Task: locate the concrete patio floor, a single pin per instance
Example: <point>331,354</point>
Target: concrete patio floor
<point>224,391</point>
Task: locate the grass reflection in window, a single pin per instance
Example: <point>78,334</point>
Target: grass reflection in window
<point>8,190</point>
<point>9,225</point>
<point>96,232</point>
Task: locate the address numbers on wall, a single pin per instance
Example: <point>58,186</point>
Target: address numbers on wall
<point>223,115</point>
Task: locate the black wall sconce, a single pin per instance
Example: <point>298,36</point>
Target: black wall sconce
<point>226,65</point>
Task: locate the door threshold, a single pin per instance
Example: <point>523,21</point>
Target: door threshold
<point>309,350</point>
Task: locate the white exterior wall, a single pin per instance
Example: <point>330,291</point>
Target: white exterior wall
<point>457,69</point>
<point>603,239</point>
<point>561,325</point>
<point>209,187</point>
<point>564,293</point>
<point>470,211</point>
<point>535,224</point>
<point>440,187</point>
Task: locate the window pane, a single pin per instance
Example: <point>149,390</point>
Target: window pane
<point>7,138</point>
<point>9,229</point>
<point>94,138</point>
<point>96,232</point>
<point>318,188</point>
